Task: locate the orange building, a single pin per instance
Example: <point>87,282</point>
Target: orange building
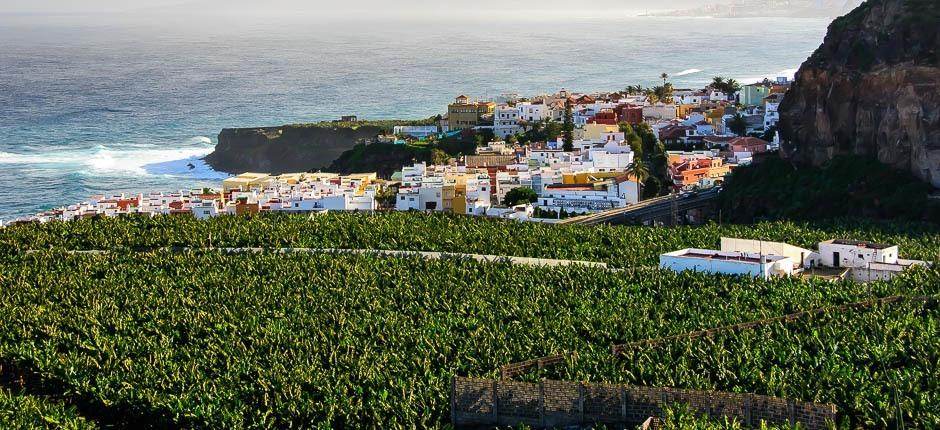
<point>690,172</point>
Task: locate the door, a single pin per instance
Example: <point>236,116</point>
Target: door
<point>836,259</point>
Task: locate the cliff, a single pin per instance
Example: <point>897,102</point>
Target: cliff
<point>872,89</point>
<point>295,148</point>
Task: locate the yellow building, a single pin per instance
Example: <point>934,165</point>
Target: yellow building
<point>684,110</point>
<point>465,113</point>
<point>247,181</point>
<point>587,177</point>
<point>594,131</point>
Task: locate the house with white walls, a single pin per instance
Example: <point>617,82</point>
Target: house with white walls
<point>761,266</point>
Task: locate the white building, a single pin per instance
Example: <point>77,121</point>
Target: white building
<point>660,111</point>
<point>854,253</point>
<point>803,258</point>
<point>771,112</point>
<point>533,112</point>
<point>456,189</point>
<point>690,97</point>
<point>865,261</point>
<point>506,121</point>
<point>727,263</point>
<point>587,198</point>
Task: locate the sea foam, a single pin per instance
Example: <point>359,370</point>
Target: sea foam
<point>185,161</point>
<point>687,72</point>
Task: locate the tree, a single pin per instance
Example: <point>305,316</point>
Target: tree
<point>649,137</point>
<point>568,127</point>
<point>718,83</point>
<point>664,93</point>
<point>728,87</point>
<point>439,157</point>
<point>731,87</point>
<point>640,172</point>
<point>634,89</point>
<point>664,76</point>
<point>635,142</point>
<point>770,133</point>
<point>625,127</point>
<point>520,195</point>
<point>738,125</point>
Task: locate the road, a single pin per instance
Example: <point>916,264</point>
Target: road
<point>657,208</point>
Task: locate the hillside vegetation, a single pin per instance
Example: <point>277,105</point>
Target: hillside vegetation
<point>202,339</point>
<point>619,246</point>
<point>847,186</point>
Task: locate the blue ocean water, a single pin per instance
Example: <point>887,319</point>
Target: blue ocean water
<point>99,108</point>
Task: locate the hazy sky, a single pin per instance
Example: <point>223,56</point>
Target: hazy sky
<point>378,7</point>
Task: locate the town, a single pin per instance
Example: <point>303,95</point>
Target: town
<point>543,158</point>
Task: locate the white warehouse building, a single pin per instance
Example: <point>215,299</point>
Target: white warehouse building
<point>729,263</point>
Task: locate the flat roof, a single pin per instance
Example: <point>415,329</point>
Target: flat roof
<point>707,254</point>
<point>861,244</point>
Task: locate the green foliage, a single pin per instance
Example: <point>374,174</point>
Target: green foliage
<point>682,417</point>
<point>769,134</point>
<point>846,187</point>
<point>520,195</point>
<point>874,364</point>
<point>387,125</point>
<point>295,340</point>
<point>274,341</point>
<point>738,125</point>
<point>729,87</point>
<point>567,128</point>
<point>640,171</point>
<point>385,159</point>
<point>541,131</point>
<point>26,412</point>
<point>620,246</point>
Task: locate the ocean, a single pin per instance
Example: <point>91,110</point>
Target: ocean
<point>93,108</point>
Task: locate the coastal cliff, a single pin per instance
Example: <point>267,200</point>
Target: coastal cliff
<point>871,89</point>
<point>289,148</point>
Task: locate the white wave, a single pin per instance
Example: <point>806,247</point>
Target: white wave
<point>788,73</point>
<point>687,72</point>
<point>184,161</point>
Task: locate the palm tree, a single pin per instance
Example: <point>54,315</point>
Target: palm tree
<point>640,172</point>
<point>664,76</point>
<point>732,86</point>
<point>718,83</point>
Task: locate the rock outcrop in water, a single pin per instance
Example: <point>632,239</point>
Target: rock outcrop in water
<point>292,148</point>
<point>872,88</point>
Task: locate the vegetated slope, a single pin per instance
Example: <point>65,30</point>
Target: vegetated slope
<point>273,341</point>
<point>23,411</point>
<point>284,149</point>
<point>847,186</point>
<point>620,246</point>
<point>878,366</point>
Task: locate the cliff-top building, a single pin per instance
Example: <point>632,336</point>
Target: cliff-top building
<point>465,113</point>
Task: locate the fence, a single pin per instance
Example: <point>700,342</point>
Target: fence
<point>548,404</point>
<point>616,350</point>
<point>511,370</point>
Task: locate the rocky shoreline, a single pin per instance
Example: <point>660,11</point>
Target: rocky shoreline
<point>287,148</point>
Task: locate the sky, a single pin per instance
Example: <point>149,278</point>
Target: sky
<point>389,8</point>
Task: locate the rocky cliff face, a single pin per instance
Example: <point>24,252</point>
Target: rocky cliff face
<point>872,88</point>
<point>284,149</point>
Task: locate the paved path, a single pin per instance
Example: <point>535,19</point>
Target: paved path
<point>484,258</point>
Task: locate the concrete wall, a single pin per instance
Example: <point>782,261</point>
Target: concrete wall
<point>682,264</point>
<point>801,256</point>
<point>855,256</point>
<point>478,403</point>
